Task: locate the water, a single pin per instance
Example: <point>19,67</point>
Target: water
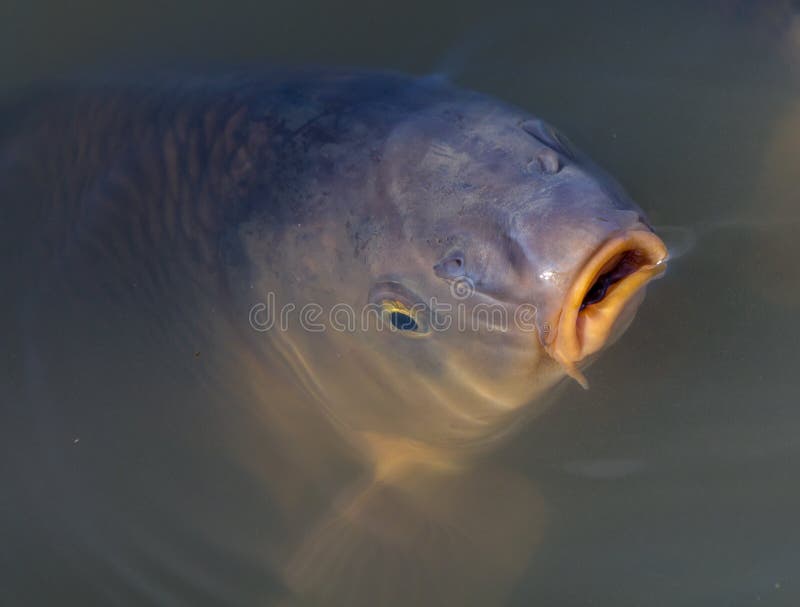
<point>672,481</point>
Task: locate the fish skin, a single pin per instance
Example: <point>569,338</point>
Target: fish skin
<point>146,219</point>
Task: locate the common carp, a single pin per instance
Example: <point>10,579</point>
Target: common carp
<point>344,284</point>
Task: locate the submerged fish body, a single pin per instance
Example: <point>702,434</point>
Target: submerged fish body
<point>391,261</point>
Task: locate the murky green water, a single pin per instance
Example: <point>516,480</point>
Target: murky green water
<point>672,481</point>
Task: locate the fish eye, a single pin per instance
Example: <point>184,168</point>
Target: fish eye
<point>400,309</point>
<point>402,317</point>
<point>403,321</point>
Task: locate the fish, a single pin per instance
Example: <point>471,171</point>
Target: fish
<point>351,283</point>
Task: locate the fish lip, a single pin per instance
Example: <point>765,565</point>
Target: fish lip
<point>583,329</point>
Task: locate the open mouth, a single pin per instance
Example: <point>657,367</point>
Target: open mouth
<point>614,271</point>
<point>604,295</point>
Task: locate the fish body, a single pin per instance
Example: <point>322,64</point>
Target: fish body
<point>357,275</point>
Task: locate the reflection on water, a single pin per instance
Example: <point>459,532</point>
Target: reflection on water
<point>141,466</point>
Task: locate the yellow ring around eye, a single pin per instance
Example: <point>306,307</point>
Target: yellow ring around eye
<point>390,305</point>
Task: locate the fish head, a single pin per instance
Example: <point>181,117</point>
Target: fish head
<point>501,219</point>
<point>489,258</point>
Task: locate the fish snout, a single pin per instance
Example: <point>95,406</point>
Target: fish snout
<point>604,295</point>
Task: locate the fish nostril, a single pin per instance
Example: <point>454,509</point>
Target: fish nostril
<point>548,162</point>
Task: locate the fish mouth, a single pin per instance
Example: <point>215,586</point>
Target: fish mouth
<point>605,295</point>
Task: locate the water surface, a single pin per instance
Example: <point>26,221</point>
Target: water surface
<point>672,481</point>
